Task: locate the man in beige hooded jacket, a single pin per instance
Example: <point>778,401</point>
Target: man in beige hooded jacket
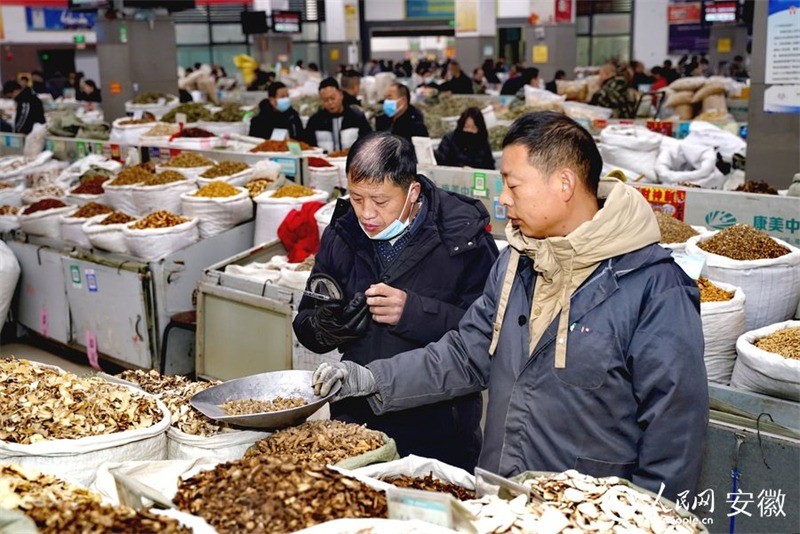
<point>587,336</point>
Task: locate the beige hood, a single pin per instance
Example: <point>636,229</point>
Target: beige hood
<point>624,224</point>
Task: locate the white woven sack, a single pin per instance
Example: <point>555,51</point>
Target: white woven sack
<point>12,196</point>
<point>218,214</point>
<point>323,178</point>
<point>226,446</point>
<point>9,223</point>
<point>324,215</point>
<point>77,460</point>
<point>341,165</point>
<point>82,200</point>
<point>764,372</point>
<point>271,212</point>
<point>108,237</point>
<point>579,110</point>
<point>195,143</point>
<point>266,168</point>
<point>222,129</point>
<point>161,475</point>
<point>417,466</point>
<point>292,278</point>
<point>72,229</point>
<point>128,133</point>
<point>772,286</point>
<point>148,199</point>
<point>192,173</point>
<point>154,244</point>
<point>120,197</point>
<point>46,223</point>
<point>686,162</point>
<point>723,323</point>
<point>9,275</point>
<point>631,147</point>
<point>239,179</point>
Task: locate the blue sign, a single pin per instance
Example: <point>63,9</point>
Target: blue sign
<point>431,9</point>
<point>46,18</point>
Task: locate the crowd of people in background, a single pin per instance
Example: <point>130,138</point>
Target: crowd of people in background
<point>340,120</point>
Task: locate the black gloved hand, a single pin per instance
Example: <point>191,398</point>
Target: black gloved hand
<point>335,324</point>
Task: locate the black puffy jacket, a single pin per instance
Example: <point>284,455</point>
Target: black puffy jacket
<point>443,270</point>
<point>269,118</point>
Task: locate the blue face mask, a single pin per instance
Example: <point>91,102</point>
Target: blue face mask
<point>395,228</point>
<point>284,104</point>
<point>390,107</point>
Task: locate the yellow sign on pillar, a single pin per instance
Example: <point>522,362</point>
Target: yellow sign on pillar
<point>724,45</point>
<point>335,54</point>
<point>540,53</point>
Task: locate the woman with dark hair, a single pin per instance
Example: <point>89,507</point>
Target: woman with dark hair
<point>468,145</point>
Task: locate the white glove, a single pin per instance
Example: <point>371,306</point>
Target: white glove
<point>357,381</point>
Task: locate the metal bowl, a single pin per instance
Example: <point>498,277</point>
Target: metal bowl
<point>264,386</point>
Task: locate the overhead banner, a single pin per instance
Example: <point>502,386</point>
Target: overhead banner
<point>49,19</point>
<point>431,9</point>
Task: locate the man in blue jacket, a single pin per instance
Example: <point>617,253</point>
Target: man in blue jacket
<point>410,259</point>
<point>587,335</point>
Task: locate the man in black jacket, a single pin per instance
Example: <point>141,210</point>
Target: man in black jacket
<point>351,87</point>
<point>459,83</point>
<point>410,258</point>
<point>335,126</point>
<point>399,116</point>
<point>515,85</point>
<point>30,110</point>
<point>276,112</point>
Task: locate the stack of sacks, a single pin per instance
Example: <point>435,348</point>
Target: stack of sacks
<point>689,97</point>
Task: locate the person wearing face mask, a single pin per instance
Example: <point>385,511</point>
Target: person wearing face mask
<point>335,126</point>
<point>468,144</point>
<point>399,116</point>
<point>276,112</point>
<point>410,258</point>
<point>587,336</point>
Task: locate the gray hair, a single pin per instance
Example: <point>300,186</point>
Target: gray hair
<point>381,155</point>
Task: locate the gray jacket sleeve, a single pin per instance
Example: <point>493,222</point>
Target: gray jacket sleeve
<point>456,365</point>
<point>669,381</point>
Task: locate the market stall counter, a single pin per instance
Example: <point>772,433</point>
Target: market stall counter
<point>245,308</point>
<point>112,305</point>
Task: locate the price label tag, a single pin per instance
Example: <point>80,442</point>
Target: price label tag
<point>480,193</point>
<point>137,114</point>
<point>44,322</point>
<point>431,507</point>
<point>279,134</point>
<point>288,166</point>
<point>75,274</point>
<point>691,265</point>
<point>81,147</point>
<point>180,118</point>
<point>91,350</point>
<point>294,148</point>
<point>162,101</point>
<point>91,280</point>
<point>499,210</point>
<point>479,181</point>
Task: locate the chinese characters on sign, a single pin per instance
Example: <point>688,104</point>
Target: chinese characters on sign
<point>670,201</point>
<point>766,503</point>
